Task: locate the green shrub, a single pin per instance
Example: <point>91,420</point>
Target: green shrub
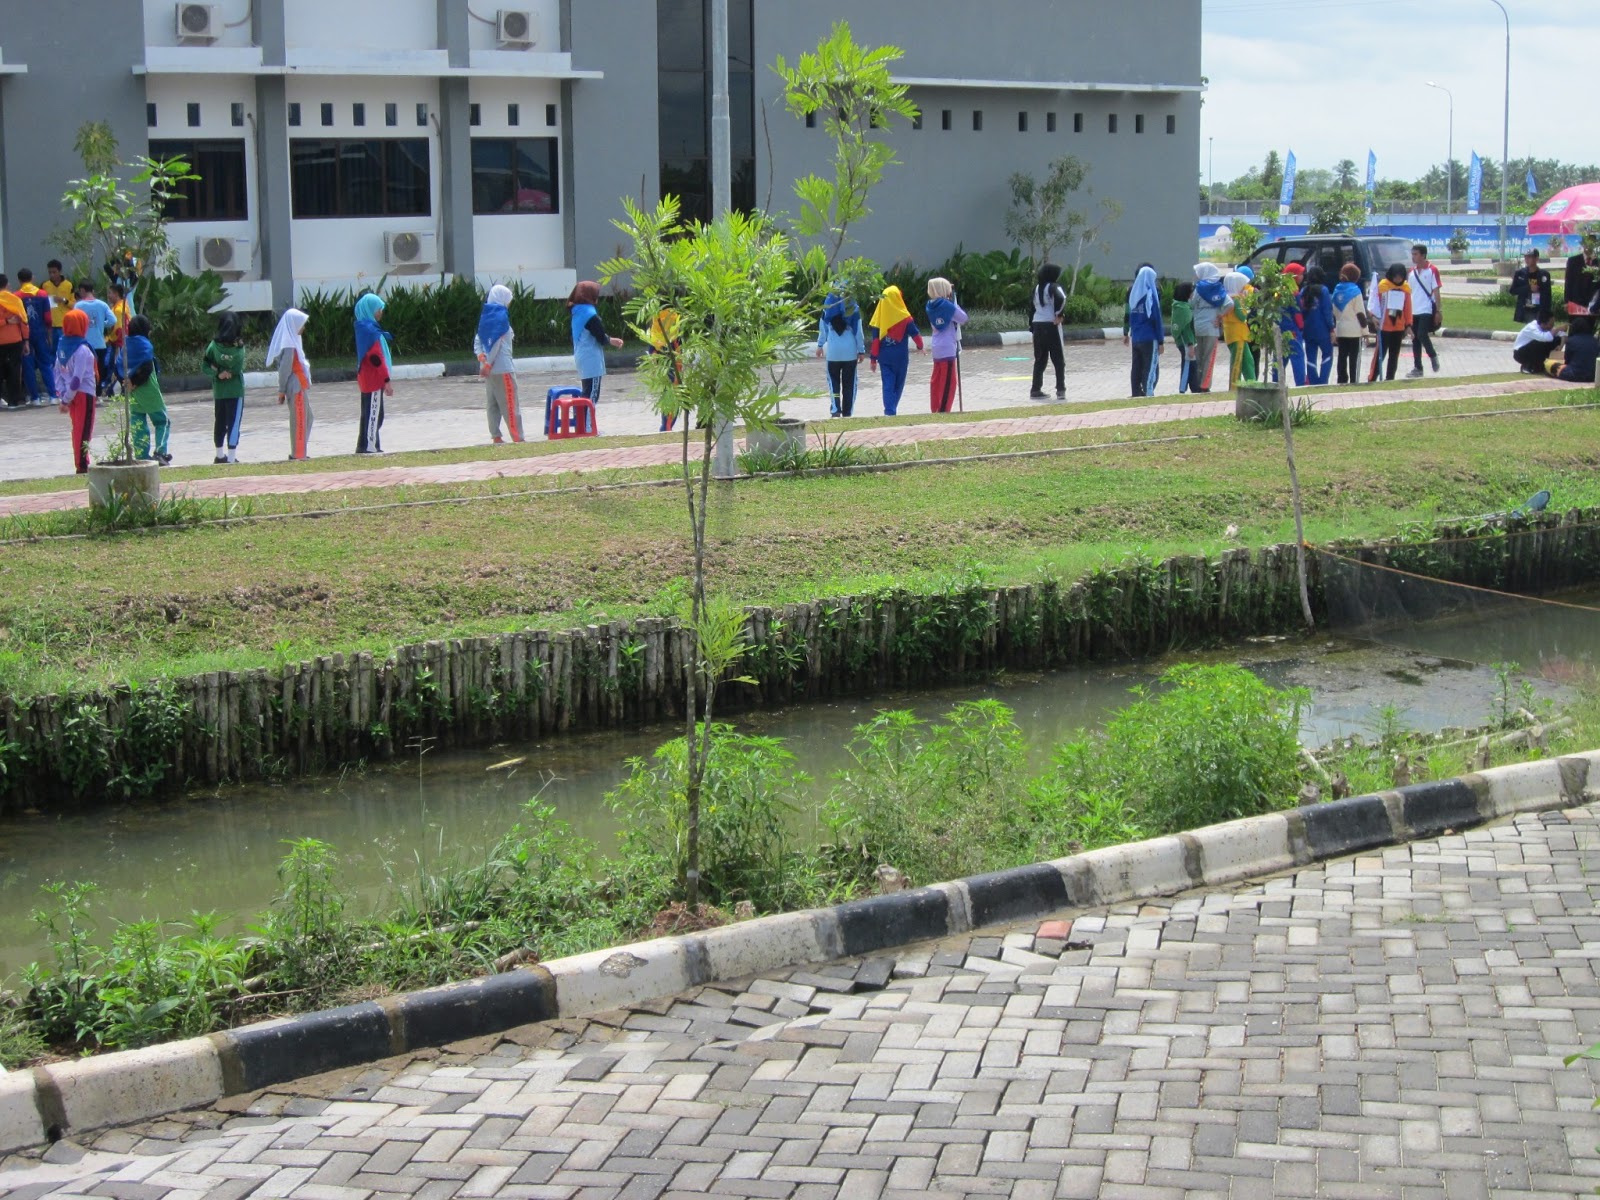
<point>1080,310</point>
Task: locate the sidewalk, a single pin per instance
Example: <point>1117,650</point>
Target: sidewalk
<point>1390,1025</point>
<point>602,458</point>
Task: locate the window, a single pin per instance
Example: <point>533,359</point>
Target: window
<point>1111,123</point>
<point>474,114</point>
<point>391,115</point>
<point>294,114</point>
<point>1049,122</point>
<point>550,116</point>
<point>380,177</point>
<point>150,115</point>
<point>194,116</point>
<point>683,102</point>
<point>1077,122</point>
<point>513,114</point>
<point>236,115</point>
<point>515,175</point>
<point>977,120</point>
<point>219,194</point>
<point>1138,122</point>
<point>945,120</point>
<point>1172,124</point>
<point>327,114</point>
<point>358,114</point>
<point>1022,122</point>
<point>811,120</point>
<point>422,116</point>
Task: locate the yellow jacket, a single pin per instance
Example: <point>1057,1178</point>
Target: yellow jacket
<point>1234,328</point>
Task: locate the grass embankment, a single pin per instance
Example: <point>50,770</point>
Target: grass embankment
<point>81,612</point>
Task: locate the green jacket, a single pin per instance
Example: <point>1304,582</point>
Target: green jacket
<point>224,358</point>
<point>1182,323</point>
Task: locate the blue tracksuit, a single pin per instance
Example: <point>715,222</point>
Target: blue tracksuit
<point>1318,333</point>
<point>891,350</point>
<point>1294,343</point>
<point>41,365</point>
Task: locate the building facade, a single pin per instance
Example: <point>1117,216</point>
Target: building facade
<point>342,140</point>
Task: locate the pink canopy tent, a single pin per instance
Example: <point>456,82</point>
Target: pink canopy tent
<point>1567,211</point>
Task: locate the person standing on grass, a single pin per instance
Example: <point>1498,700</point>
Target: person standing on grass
<point>1183,334</point>
<point>946,317</point>
<point>77,380</point>
<point>14,340</point>
<point>1049,305</point>
<point>101,321</point>
<point>1144,331</point>
<point>893,331</point>
<point>373,363</point>
<point>1532,287</point>
<point>287,352</point>
<point>1350,321</point>
<point>492,345</point>
<point>1210,303</point>
<point>1394,301</point>
<point>223,363</point>
<point>1427,309</point>
<point>38,356</point>
<point>589,338</point>
<point>1316,311</point>
<point>843,344</point>
<point>1535,344</point>
<point>148,406</point>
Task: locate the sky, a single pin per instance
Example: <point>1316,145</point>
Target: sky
<point>1329,78</point>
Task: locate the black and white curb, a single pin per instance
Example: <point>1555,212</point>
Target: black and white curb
<point>47,1103</point>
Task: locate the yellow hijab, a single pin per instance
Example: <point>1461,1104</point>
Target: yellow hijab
<point>891,310</point>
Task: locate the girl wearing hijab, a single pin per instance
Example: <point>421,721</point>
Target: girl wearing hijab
<point>1316,310</point>
<point>372,372</point>
<point>1350,321</point>
<point>492,345</point>
<point>223,361</point>
<point>1292,322</point>
<point>288,352</point>
<point>842,343</point>
<point>1145,331</point>
<point>77,380</point>
<point>148,406</point>
<point>947,317</point>
<point>1394,301</point>
<point>1210,304</point>
<point>1235,332</point>
<point>589,338</point>
<point>892,329</point>
<point>1049,300</point>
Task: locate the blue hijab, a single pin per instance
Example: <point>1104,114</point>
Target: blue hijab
<point>941,311</point>
<point>840,312</point>
<point>368,332</point>
<point>495,321</point>
<point>139,351</point>
<point>68,346</point>
<point>1343,292</point>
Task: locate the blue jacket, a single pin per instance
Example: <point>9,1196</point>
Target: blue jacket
<point>587,351</point>
<point>1146,328</point>
<point>846,346</point>
<point>1318,314</point>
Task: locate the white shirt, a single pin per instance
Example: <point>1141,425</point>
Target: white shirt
<point>1424,283</point>
<point>1532,333</point>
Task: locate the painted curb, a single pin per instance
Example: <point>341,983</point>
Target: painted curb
<point>47,1103</point>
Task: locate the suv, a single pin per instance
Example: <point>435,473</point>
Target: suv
<point>1331,251</point>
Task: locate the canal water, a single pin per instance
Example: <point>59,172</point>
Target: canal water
<point>220,851</point>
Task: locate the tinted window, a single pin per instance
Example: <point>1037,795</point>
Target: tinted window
<point>515,175</point>
<point>219,194</point>
<point>1388,251</point>
<point>379,177</point>
<point>681,35</point>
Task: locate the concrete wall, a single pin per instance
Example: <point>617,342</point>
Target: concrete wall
<point>40,112</point>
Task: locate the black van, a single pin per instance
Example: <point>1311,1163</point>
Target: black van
<point>1331,251</point>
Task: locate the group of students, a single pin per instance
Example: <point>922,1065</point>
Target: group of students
<point>33,323</point>
<point>1538,341</point>
<point>844,341</point>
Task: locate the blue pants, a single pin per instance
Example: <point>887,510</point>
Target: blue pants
<point>893,368</point>
<point>1294,353</point>
<point>1319,359</point>
<point>1185,369</point>
<point>39,365</point>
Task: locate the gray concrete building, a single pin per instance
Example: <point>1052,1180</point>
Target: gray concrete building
<point>342,140</point>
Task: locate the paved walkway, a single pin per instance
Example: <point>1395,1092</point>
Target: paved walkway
<point>605,458</point>
<point>1388,1027</point>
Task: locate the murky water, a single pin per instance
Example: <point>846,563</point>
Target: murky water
<point>220,852</point>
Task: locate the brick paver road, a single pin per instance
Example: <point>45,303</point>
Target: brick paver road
<point>1389,1026</point>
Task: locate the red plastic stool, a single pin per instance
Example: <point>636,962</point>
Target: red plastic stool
<point>572,417</point>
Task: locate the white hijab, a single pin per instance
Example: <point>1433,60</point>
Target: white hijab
<point>287,337</point>
<point>500,294</point>
<point>1235,282</point>
<point>1145,295</point>
<point>1204,271</point>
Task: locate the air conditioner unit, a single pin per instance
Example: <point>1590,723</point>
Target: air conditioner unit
<point>224,255</point>
<point>408,249</point>
<point>514,28</point>
<point>197,23</point>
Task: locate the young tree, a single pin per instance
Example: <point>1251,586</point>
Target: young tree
<point>1243,240</point>
<point>1093,234</point>
<point>1341,212</point>
<point>112,221</point>
<point>1272,175</point>
<point>1039,219</point>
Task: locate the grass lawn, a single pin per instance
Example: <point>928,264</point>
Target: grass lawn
<point>78,612</point>
<point>1478,314</point>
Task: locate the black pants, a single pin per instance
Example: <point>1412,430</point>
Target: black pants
<point>11,391</point>
<point>1139,372</point>
<point>842,383</point>
<point>1393,342</point>
<point>1350,360</point>
<point>1534,355</point>
<point>1047,349</point>
<point>1422,338</point>
<point>227,418</point>
<point>107,359</point>
<point>367,436</point>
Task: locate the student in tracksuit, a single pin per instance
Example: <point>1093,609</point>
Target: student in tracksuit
<point>148,406</point>
<point>892,331</point>
<point>372,372</point>
<point>77,380</point>
<point>492,345</point>
<point>1183,337</point>
<point>288,352</point>
<point>39,361</point>
<point>1316,308</point>
<point>946,317</point>
<point>223,362</point>
<point>589,338</point>
<point>1145,333</point>
<point>841,341</point>
<point>1210,303</point>
<point>1049,301</point>
<point>101,322</point>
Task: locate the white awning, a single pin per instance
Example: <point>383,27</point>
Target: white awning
<point>12,68</point>
<point>412,64</point>
<point>1037,85</point>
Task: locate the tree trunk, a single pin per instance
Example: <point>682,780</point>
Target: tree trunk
<point>1294,491</point>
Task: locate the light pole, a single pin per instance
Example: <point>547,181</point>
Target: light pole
<point>1211,179</point>
<point>1450,152</point>
<point>1505,144</point>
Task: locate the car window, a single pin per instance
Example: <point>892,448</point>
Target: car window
<point>1332,258</point>
<point>1388,251</point>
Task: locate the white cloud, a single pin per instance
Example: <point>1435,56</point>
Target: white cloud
<point>1329,78</point>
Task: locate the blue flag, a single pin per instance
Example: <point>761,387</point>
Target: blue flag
<point>1533,184</point>
<point>1372,178</point>
<point>1286,197</point>
<point>1475,185</point>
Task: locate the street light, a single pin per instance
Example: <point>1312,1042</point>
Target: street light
<point>1505,144</point>
<point>1211,179</point>
<point>1450,152</point>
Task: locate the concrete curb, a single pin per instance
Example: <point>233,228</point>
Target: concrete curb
<point>47,1103</point>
